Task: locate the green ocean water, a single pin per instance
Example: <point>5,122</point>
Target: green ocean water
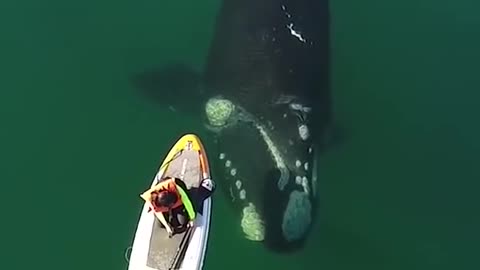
<point>78,142</point>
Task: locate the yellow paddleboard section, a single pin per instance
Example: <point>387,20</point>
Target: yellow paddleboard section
<point>187,142</point>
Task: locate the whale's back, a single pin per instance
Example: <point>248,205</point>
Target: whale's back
<point>263,50</point>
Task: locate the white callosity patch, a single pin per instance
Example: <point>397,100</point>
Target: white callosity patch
<point>228,164</point>
<point>243,194</point>
<point>252,224</point>
<point>303,171</point>
<point>296,106</point>
<point>301,112</point>
<point>219,111</point>
<point>277,157</point>
<point>238,184</point>
<point>305,186</point>
<point>290,26</point>
<point>299,107</point>
<point>298,163</point>
<point>295,33</point>
<point>297,216</point>
<point>298,180</point>
<point>303,132</point>
<point>223,113</point>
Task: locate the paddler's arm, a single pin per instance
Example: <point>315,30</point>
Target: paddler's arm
<point>164,222</point>
<point>187,203</point>
<point>147,197</point>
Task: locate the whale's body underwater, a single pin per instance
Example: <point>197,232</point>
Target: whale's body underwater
<point>265,95</point>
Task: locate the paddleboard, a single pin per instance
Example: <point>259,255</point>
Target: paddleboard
<point>152,249</point>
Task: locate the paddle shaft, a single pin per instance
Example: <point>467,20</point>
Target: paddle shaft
<point>181,250</point>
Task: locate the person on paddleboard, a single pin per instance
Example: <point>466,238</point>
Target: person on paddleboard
<point>170,197</point>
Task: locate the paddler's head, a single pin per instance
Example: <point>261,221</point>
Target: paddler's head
<point>166,198</point>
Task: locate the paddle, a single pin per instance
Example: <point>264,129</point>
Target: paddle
<point>177,154</point>
<point>182,249</point>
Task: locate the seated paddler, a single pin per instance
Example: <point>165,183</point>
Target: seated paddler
<point>170,201</point>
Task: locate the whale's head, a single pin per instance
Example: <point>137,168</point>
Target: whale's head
<point>269,172</point>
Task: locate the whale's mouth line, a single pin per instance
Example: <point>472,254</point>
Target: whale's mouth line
<point>306,182</point>
<point>276,156</point>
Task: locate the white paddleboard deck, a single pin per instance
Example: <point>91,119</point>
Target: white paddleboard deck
<point>152,249</point>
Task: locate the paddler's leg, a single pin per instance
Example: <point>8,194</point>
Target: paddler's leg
<point>180,218</point>
<point>201,193</point>
<point>206,189</point>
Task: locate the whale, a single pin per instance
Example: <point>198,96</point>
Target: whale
<point>265,95</point>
